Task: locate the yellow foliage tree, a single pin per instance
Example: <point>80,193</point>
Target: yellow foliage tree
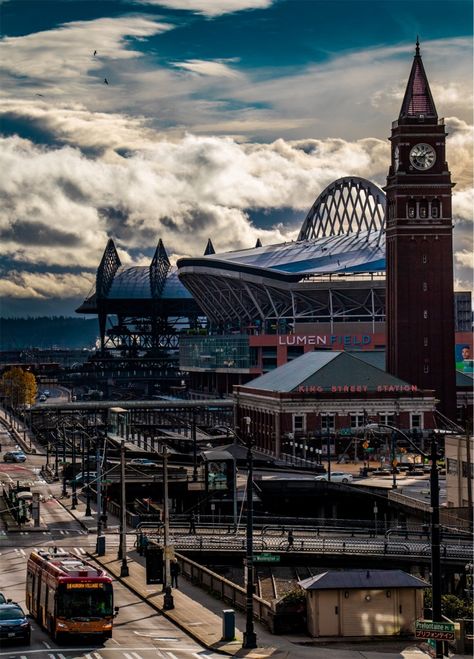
<point>19,387</point>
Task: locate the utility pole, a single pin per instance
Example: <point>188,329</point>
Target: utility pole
<point>124,572</point>
<point>393,459</point>
<point>328,447</point>
<point>88,512</point>
<point>64,490</point>
<point>250,638</point>
<point>435,542</point>
<point>98,468</point>
<point>166,520</point>
<point>74,483</point>
<point>468,465</point>
<point>194,438</point>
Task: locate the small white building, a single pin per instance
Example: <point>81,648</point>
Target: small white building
<point>363,603</point>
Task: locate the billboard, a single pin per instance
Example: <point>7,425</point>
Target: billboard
<point>464,361</point>
<point>217,475</point>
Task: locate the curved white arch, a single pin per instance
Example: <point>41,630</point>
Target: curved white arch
<point>347,206</point>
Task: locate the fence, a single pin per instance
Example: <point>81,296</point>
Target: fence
<point>224,589</point>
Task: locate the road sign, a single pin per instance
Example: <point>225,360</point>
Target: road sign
<point>266,558</point>
<point>440,631</point>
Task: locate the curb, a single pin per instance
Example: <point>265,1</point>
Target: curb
<point>163,612</point>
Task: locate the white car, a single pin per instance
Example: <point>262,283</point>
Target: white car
<point>336,477</point>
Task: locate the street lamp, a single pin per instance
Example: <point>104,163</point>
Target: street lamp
<point>250,637</point>
<point>435,530</point>
<point>376,510</point>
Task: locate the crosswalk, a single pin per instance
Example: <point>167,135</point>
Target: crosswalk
<point>126,653</point>
<point>19,551</point>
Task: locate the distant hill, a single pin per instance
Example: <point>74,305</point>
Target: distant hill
<point>48,332</point>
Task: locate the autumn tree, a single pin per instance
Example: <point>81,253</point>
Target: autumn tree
<point>19,387</point>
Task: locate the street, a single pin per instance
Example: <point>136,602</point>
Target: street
<point>139,631</point>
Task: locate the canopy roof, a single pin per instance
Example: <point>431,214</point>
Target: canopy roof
<point>366,579</point>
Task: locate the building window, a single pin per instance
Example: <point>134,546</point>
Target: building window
<point>425,286</point>
<point>425,341</point>
<point>357,420</point>
<point>426,367</point>
<point>328,422</point>
<point>423,210</point>
<point>465,470</point>
<point>425,313</point>
<point>415,421</point>
<point>385,418</point>
<point>435,207</point>
<point>424,258</point>
<point>411,209</point>
<point>452,466</point>
<point>299,423</point>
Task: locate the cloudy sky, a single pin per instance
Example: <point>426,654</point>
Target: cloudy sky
<point>221,119</point>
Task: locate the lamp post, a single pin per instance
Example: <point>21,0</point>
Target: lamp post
<point>64,490</point>
<point>88,512</point>
<point>393,459</point>
<point>250,638</point>
<point>122,553</point>
<point>435,530</point>
<point>194,438</point>
<point>74,483</point>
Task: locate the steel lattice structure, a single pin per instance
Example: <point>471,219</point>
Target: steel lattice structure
<point>348,205</point>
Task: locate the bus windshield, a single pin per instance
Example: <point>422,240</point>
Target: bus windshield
<point>85,600</point>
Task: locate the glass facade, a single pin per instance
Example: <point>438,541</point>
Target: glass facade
<point>215,352</point>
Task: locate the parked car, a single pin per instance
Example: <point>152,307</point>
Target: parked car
<point>47,393</point>
<point>3,599</point>
<point>143,462</point>
<point>336,477</point>
<point>14,625</point>
<point>14,456</point>
<point>42,398</point>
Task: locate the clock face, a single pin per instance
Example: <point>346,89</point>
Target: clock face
<point>422,156</point>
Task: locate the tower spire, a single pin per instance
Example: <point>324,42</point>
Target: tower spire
<point>418,102</point>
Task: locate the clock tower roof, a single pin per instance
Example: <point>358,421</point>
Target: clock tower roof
<point>418,102</point>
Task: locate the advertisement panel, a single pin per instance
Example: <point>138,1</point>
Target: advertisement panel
<point>464,361</point>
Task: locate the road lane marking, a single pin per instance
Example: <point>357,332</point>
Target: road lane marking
<point>137,656</point>
<point>61,656</point>
<point>97,655</point>
<point>47,645</point>
<point>22,551</point>
<point>127,656</point>
<point>173,656</point>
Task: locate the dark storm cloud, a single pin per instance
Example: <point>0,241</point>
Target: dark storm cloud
<point>29,232</point>
<point>29,128</point>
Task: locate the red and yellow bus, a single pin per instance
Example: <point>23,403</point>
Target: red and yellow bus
<point>69,596</point>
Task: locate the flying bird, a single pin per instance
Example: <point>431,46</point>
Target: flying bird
<point>106,82</point>
<point>95,53</point>
<point>40,95</point>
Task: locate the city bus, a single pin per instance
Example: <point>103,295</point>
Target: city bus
<point>69,596</point>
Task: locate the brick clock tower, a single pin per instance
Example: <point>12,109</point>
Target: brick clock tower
<point>420,298</point>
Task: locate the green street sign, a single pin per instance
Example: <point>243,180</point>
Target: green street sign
<point>440,631</point>
<point>435,626</point>
<point>266,558</point>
